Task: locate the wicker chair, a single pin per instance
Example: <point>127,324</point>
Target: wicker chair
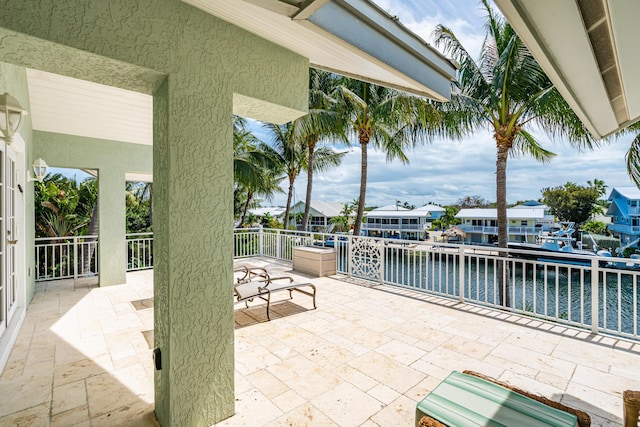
<point>631,401</point>
<point>584,420</point>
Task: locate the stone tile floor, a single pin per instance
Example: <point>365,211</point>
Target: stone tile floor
<point>365,357</point>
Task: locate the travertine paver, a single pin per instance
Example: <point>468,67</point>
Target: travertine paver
<point>365,357</point>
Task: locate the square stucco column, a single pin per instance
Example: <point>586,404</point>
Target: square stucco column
<point>112,244</point>
<point>193,290</point>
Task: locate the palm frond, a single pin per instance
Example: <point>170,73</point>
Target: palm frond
<point>526,144</point>
<point>633,161</point>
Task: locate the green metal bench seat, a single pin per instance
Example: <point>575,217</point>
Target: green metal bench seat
<point>470,400</point>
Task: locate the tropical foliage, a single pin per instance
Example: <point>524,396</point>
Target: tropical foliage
<point>289,150</point>
<point>139,205</point>
<point>507,92</point>
<point>448,218</point>
<point>321,125</point>
<point>571,202</point>
<point>256,172</point>
<point>64,207</point>
<point>595,227</point>
<point>389,120</point>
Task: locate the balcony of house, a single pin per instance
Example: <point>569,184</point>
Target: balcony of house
<point>514,230</point>
<point>624,229</point>
<point>397,226</point>
<point>388,328</point>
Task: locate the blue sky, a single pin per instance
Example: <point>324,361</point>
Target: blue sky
<point>445,171</point>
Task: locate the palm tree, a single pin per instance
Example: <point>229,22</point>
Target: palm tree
<point>508,93</point>
<point>321,123</point>
<point>289,150</point>
<point>290,155</point>
<point>253,167</point>
<point>389,119</point>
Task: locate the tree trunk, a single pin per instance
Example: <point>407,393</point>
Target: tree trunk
<point>246,207</point>
<point>287,208</point>
<point>503,221</point>
<point>92,230</point>
<point>363,188</point>
<point>150,189</point>
<point>307,201</point>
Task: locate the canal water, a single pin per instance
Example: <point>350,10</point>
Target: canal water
<point>555,291</point>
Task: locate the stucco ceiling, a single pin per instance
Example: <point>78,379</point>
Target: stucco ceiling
<point>589,50</point>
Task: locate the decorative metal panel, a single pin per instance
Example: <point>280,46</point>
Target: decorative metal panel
<point>366,258</point>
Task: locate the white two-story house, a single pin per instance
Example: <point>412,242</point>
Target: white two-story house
<point>397,222</point>
<point>526,221</point>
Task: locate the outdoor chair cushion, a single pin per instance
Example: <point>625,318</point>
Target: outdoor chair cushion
<point>464,400</point>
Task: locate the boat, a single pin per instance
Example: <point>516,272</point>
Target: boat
<point>549,246</point>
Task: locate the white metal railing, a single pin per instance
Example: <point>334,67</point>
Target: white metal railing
<point>486,229</point>
<point>624,228</point>
<point>139,251</point>
<point>589,292</point>
<point>401,227</point>
<point>66,257</point>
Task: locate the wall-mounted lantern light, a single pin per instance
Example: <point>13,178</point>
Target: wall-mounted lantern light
<point>39,170</point>
<point>11,117</point>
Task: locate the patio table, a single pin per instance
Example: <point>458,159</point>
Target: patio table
<point>463,400</point>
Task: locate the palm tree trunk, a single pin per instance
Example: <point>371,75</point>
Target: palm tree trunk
<point>307,201</point>
<point>287,208</point>
<point>363,188</point>
<point>92,230</point>
<point>246,207</point>
<point>503,221</point>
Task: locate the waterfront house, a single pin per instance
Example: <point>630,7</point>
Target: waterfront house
<point>526,221</point>
<point>624,212</point>
<point>398,222</point>
<point>320,214</point>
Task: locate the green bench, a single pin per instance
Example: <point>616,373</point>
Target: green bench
<point>467,400</point>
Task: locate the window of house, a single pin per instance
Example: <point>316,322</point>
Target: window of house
<point>394,221</point>
<point>524,222</point>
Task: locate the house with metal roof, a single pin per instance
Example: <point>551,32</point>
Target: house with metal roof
<point>525,223</point>
<point>397,222</point>
<point>320,214</point>
<point>624,212</point>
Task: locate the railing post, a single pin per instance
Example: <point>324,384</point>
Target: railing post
<point>349,254</point>
<point>75,258</point>
<point>595,308</point>
<point>461,273</point>
<point>383,259</point>
<point>278,245</point>
<point>261,241</point>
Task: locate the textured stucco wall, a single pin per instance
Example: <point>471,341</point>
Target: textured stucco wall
<point>13,80</point>
<point>193,63</point>
<point>112,160</point>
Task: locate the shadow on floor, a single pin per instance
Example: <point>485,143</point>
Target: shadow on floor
<point>76,362</point>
